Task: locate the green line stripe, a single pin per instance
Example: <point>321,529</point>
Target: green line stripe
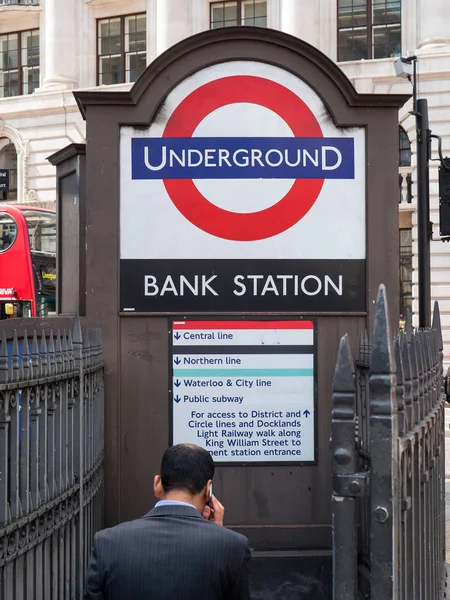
<point>243,372</point>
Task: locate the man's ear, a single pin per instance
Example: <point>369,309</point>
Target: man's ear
<point>158,489</point>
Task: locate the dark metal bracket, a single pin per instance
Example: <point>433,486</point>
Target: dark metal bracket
<point>351,486</point>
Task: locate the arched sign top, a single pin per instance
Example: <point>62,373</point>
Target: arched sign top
<point>242,43</point>
<point>242,176</point>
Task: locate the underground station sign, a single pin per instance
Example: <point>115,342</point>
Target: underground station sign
<point>245,390</point>
<point>242,195</point>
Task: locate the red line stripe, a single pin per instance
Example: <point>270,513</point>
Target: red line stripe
<point>252,325</point>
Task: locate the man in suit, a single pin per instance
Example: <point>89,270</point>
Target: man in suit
<point>180,549</point>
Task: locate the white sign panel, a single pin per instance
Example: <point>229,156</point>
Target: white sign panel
<point>242,195</point>
<point>245,390</point>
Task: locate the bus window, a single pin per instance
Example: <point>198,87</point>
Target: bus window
<point>8,232</point>
<point>45,307</point>
<point>41,230</point>
<point>12,310</point>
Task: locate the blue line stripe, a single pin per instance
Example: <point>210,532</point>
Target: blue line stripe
<point>243,372</point>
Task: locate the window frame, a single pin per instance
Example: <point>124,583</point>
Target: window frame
<point>239,16</point>
<point>123,53</point>
<point>13,224</point>
<point>370,32</point>
<point>405,264</point>
<point>13,170</point>
<point>20,66</point>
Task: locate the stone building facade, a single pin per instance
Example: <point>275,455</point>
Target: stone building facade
<point>48,48</point>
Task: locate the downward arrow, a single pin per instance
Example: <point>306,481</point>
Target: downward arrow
<point>177,399</point>
<point>177,361</point>
<point>306,413</point>
<point>177,336</point>
<point>177,383</point>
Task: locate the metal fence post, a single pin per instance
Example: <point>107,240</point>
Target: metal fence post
<point>79,433</point>
<point>345,482</point>
<point>384,459</point>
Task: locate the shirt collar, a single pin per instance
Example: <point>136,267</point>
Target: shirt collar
<point>173,503</point>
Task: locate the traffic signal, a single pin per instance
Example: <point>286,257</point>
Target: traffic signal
<point>444,199</point>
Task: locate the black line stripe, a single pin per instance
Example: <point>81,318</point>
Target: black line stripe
<point>243,349</point>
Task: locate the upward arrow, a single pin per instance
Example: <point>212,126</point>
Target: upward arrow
<point>306,413</point>
<point>176,336</point>
<point>177,361</point>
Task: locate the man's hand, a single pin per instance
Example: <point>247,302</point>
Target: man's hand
<point>214,514</point>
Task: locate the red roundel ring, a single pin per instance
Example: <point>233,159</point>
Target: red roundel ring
<point>243,226</point>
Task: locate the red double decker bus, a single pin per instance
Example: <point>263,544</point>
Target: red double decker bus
<point>27,261</point>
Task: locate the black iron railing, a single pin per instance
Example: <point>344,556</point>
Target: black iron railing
<point>51,461</point>
<point>389,464</point>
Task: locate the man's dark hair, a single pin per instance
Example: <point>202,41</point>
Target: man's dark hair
<point>186,467</point>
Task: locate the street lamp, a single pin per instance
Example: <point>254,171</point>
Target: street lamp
<point>407,68</point>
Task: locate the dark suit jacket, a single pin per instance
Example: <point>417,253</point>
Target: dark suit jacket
<point>172,553</point>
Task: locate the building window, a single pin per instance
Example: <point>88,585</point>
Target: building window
<point>19,63</point>
<point>122,49</point>
<point>8,161</point>
<point>405,172</point>
<point>405,272</point>
<point>238,12</point>
<point>369,29</point>
<point>404,146</point>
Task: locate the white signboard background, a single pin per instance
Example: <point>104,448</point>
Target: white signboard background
<point>229,409</point>
<point>334,228</point>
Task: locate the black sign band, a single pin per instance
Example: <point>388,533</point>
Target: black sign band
<point>242,286</point>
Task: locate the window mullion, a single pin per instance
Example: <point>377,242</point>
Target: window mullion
<point>19,63</point>
<point>239,12</point>
<point>97,50</point>
<point>369,29</point>
<point>122,48</point>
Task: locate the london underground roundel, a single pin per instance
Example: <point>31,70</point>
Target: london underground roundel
<point>249,153</point>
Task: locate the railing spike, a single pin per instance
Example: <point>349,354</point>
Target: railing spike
<point>3,359</point>
<point>51,354</point>
<point>381,360</point>
<point>344,374</point>
<point>58,355</point>
<point>43,355</point>
<point>34,351</point>
<point>421,372</point>
<point>64,350</point>
<point>77,331</point>
<point>26,362</point>
<point>14,367</point>
<point>408,325</point>
<point>407,379</point>
<point>436,326</point>
<point>70,348</point>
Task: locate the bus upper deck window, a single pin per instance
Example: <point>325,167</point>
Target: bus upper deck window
<point>8,232</point>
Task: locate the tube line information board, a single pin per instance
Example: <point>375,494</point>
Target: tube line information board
<point>245,390</point>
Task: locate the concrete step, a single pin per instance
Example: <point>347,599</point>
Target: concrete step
<point>291,576</point>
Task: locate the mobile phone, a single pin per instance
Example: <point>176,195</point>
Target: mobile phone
<point>210,496</point>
